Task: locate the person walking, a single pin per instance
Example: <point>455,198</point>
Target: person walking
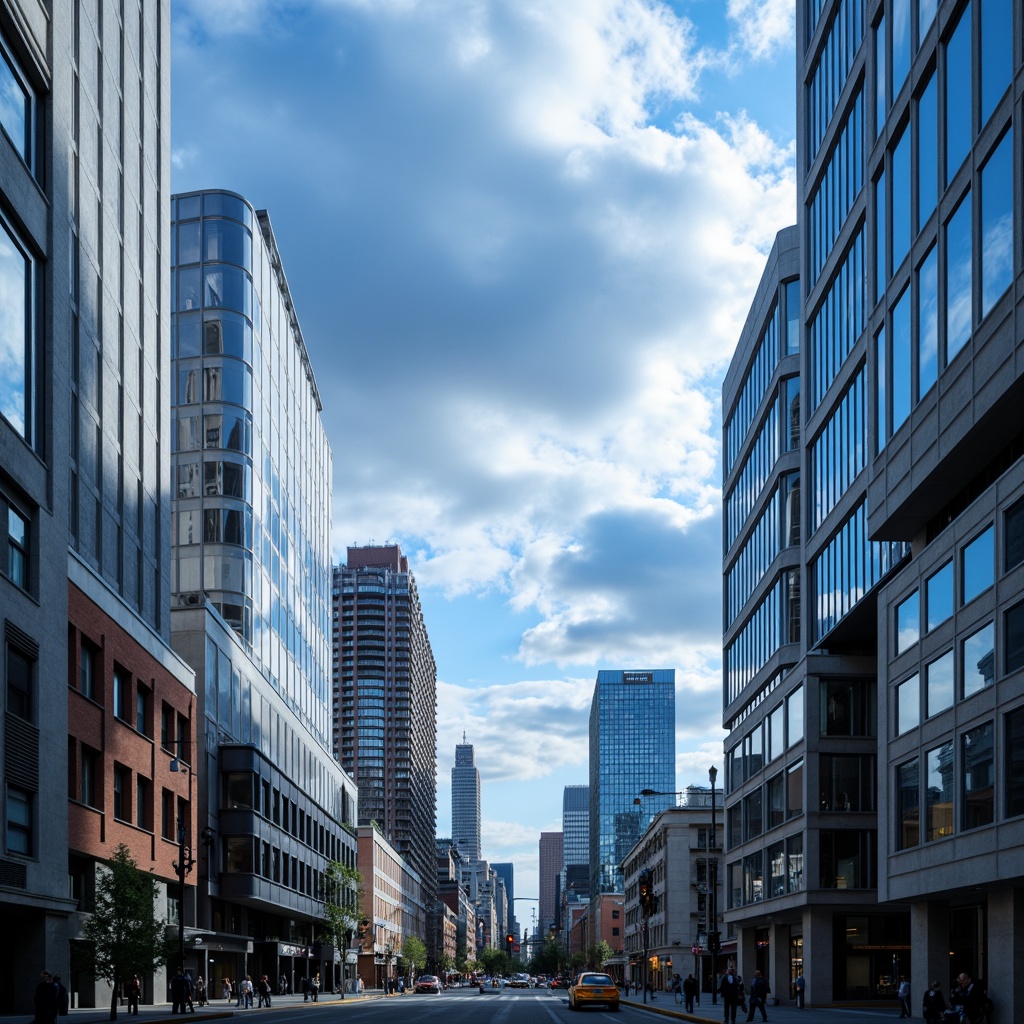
<point>933,1004</point>
<point>246,988</point>
<point>729,990</point>
<point>690,992</point>
<point>903,994</point>
<point>44,1001</point>
<point>677,989</point>
<point>316,987</point>
<point>970,996</point>
<point>799,985</point>
<point>178,992</point>
<point>200,991</point>
<point>134,994</point>
<point>759,989</point>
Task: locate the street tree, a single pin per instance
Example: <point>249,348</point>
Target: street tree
<point>341,892</point>
<point>123,936</point>
<point>414,953</point>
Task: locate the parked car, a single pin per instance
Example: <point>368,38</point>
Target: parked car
<point>520,981</point>
<point>428,983</point>
<point>593,989</point>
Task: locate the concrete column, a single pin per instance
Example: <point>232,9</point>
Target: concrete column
<point>1005,946</point>
<point>929,949</point>
<point>778,963</point>
<point>818,957</point>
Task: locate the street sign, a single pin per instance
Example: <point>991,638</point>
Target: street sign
<point>696,950</point>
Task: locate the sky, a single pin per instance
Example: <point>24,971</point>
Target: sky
<point>522,238</point>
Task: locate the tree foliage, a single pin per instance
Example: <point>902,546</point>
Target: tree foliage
<point>414,953</point>
<point>123,936</point>
<point>341,891</point>
<point>598,955</point>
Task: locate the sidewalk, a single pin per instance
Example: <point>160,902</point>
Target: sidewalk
<point>157,1013</point>
<point>787,1013</point>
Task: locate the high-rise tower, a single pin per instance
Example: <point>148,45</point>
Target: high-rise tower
<point>386,695</point>
<point>550,864</point>
<point>466,801</point>
<point>576,841</point>
<point>632,748</point>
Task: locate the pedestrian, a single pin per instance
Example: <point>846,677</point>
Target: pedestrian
<point>316,987</point>
<point>45,999</point>
<point>729,989</point>
<point>305,989</point>
<point>178,992</point>
<point>283,990</point>
<point>63,999</point>
<point>799,985</point>
<point>200,991</point>
<point>759,989</point>
<point>690,992</point>
<point>189,990</point>
<point>970,996</point>
<point>236,988</point>
<point>903,994</point>
<point>933,1004</point>
<point>625,986</point>
<point>134,994</point>
<point>246,988</point>
<point>263,991</point>
<point>677,989</point>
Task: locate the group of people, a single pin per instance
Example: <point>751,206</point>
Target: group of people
<point>735,994</point>
<point>686,990</point>
<point>968,1002</point>
<point>311,989</point>
<point>51,998</point>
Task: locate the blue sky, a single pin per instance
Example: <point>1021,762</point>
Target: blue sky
<point>522,237</point>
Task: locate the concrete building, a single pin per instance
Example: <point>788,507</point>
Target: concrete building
<point>550,866</point>
<point>385,716</point>
<point>674,849</point>
<point>466,801</point>
<point>872,633</point>
<point>632,748</point>
<point>251,584</point>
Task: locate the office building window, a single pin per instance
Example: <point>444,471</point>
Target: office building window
<point>795,790</point>
<point>996,58</point>
<point>776,733</point>
<point>753,814</point>
<point>792,317</point>
<point>908,705</point>
<point>17,564</point>
<point>977,777</point>
<point>776,854</point>
<point>908,622</point>
<point>900,216</point>
<point>1014,638</point>
<point>122,693</point>
<point>939,688</point>
<point>19,822</point>
<point>997,223</point>
<point>977,564</point>
<point>19,684</point>
<point>847,782</point>
<point>795,716</point>
<point>87,670</point>
<point>122,793</point>
<point>18,358</point>
<point>143,703</point>
<point>847,707</point>
<point>848,859</point>
<point>1014,762</point>
<point>753,877</point>
<point>142,813</point>
<point>776,800</point>
<point>167,823</point>
<point>927,280</point>
<point>908,798</point>
<point>18,110</point>
<point>927,127</point>
<point>939,793</point>
<point>959,125</point>
<point>90,764</point>
<point>1013,536</point>
<point>959,279</point>
<point>977,660</point>
<point>939,596</point>
<point>795,859</point>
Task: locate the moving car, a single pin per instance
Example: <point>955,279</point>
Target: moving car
<point>428,983</point>
<point>593,988</point>
<point>520,981</point>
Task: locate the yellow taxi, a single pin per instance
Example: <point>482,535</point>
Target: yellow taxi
<point>591,988</point>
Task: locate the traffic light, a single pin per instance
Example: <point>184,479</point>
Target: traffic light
<point>510,941</point>
<point>645,891</point>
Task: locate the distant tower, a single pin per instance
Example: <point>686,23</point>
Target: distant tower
<point>466,801</point>
<point>632,748</point>
<point>576,843</point>
<point>551,864</point>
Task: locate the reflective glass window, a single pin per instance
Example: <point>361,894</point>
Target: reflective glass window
<point>15,108</point>
<point>977,564</point>
<point>881,92</point>
<point>881,267</point>
<point>927,127</point>
<point>188,242</point>
<point>227,241</point>
<point>227,333</point>
<point>795,790</point>
<point>188,288</point>
<point>228,286</point>
<point>996,53</point>
<point>997,223</point>
<point>188,333</point>
<point>17,331</point>
<point>958,95</point>
<point>776,800</point>
<point>1013,536</point>
<point>881,389</point>
<point>908,622</point>
<point>752,813</point>
<point>925,17</point>
<point>795,863</point>
<point>908,705</point>
<point>900,43</point>
<point>1014,763</point>
<point>795,716</point>
<point>230,381</point>
<point>19,821</point>
<point>902,380</point>
<point>939,595</point>
<point>776,733</point>
<point>901,209</point>
<point>17,547</point>
<point>1013,631</point>
<point>959,276</point>
<point>792,317</point>
<point>217,204</point>
<point>939,793</point>
<point>777,868</point>
<point>939,684</point>
<point>977,777</point>
<point>791,423</point>
<point>908,799</point>
<point>927,322</point>
<point>977,660</point>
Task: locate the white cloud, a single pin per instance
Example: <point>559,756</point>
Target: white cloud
<point>764,26</point>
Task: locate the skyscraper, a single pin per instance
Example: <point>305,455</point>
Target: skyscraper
<point>386,713</point>
<point>632,748</point>
<point>466,801</point>
<point>576,842</point>
<point>251,582</point>
<point>871,656</point>
<point>550,866</point>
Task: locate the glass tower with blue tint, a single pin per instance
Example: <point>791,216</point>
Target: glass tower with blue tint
<point>872,669</point>
<point>632,748</point>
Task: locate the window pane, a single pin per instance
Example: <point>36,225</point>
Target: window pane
<point>881,93</point>
<point>881,391</point>
<point>15,109</point>
<point>14,330</point>
<point>958,95</point>
<point>907,805</point>
<point>795,790</point>
<point>901,378</point>
<point>977,659</point>
<point>1014,642</point>
<point>908,705</point>
<point>792,317</point>
<point>900,43</point>
<point>1013,535</point>
<point>908,623</point>
<point>1014,765</point>
<point>901,200</point>
<point>927,323</point>
<point>939,676</point>
<point>795,716</point>
<point>939,793</point>
<point>925,17</point>
<point>19,822</point>
<point>958,279</point>
<point>978,777</point>
<point>927,152</point>
<point>978,566</point>
<point>939,591</point>
<point>795,856</point>
<point>881,267</point>
<point>997,223</point>
<point>996,53</point>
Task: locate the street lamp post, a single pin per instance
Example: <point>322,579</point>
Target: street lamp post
<point>713,937</point>
<point>185,862</point>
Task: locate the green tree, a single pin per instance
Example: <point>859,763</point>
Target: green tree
<point>598,954</point>
<point>495,962</point>
<point>414,953</point>
<point>341,890</point>
<point>123,936</point>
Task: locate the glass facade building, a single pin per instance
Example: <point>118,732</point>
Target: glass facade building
<point>872,733</point>
<point>576,841</point>
<point>466,802</point>
<point>632,748</point>
<point>250,576</point>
